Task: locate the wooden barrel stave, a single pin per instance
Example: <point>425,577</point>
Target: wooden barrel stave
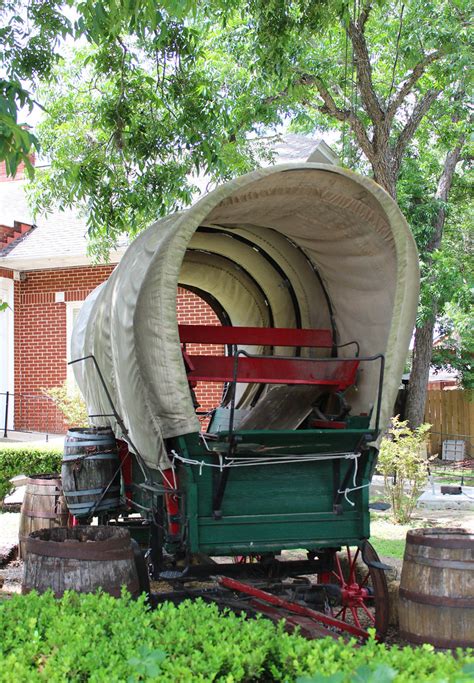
<point>82,559</point>
<point>90,465</point>
<point>43,506</point>
<point>436,598</point>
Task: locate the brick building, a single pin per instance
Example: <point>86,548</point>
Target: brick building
<point>45,275</point>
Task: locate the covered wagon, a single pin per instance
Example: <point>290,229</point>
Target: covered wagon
<point>313,274</point>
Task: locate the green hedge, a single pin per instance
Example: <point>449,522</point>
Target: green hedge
<point>24,460</point>
<point>98,638</point>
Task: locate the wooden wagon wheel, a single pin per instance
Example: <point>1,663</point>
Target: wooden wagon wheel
<point>364,592</point>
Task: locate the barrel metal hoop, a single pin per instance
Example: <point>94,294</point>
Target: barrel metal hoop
<point>464,543</point>
<point>464,565</point>
<point>89,492</point>
<point>89,442</point>
<point>443,643</point>
<point>41,515</point>
<point>112,549</point>
<point>106,455</point>
<point>92,503</point>
<point>72,553</point>
<point>436,600</point>
<point>85,510</point>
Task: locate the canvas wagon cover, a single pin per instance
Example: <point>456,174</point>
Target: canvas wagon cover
<point>273,248</point>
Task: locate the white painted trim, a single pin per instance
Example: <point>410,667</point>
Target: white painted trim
<point>8,343</point>
<point>54,262</point>
<point>71,306</point>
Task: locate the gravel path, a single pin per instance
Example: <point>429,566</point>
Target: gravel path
<point>11,573</point>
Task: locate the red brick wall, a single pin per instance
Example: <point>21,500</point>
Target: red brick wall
<point>40,340</point>
<point>6,273</point>
<point>191,309</point>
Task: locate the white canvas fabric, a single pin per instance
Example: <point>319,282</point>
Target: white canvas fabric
<point>271,247</point>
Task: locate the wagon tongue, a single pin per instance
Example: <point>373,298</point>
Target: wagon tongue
<point>289,609</point>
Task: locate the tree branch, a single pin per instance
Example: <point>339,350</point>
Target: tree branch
<point>408,85</point>
<point>363,16</point>
<point>397,51</point>
<point>355,123</point>
<point>442,191</point>
<point>407,133</point>
<point>364,69</point>
<point>330,107</point>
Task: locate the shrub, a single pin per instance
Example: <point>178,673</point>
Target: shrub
<point>24,460</point>
<point>98,638</point>
<point>70,403</point>
<point>404,467</point>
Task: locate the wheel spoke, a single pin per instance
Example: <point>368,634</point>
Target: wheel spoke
<point>368,612</point>
<point>363,602</point>
<point>352,565</point>
<point>339,571</point>
<point>355,617</point>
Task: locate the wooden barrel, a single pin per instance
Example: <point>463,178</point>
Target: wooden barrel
<point>43,506</point>
<point>81,558</point>
<point>436,600</point>
<point>90,471</point>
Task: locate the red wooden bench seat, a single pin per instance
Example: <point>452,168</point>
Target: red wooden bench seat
<point>335,373</point>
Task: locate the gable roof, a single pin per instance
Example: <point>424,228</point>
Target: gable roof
<point>58,240</point>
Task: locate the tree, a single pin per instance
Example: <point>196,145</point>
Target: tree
<point>452,291</point>
<point>379,76</point>
<point>33,35</point>
<point>433,286</point>
<point>137,111</point>
<point>192,90</point>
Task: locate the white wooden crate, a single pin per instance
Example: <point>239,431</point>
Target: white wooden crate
<point>454,449</point>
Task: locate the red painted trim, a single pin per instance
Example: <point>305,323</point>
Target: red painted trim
<point>327,424</point>
<point>254,336</point>
<point>170,481</point>
<point>336,373</point>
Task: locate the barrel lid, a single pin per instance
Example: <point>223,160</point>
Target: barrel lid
<point>441,538</point>
<point>81,542</point>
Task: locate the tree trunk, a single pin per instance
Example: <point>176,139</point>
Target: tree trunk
<point>423,349</point>
<point>384,176</point>
<point>420,372</point>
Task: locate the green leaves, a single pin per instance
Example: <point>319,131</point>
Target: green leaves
<point>363,674</point>
<point>16,142</point>
<point>403,462</point>
<point>98,638</point>
<point>23,460</point>
<point>146,665</point>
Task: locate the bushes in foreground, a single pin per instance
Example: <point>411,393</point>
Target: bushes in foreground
<point>98,638</point>
<point>26,460</point>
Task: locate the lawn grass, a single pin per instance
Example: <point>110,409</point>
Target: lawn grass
<point>389,547</point>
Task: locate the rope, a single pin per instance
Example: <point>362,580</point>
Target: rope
<point>227,462</point>
<point>346,491</point>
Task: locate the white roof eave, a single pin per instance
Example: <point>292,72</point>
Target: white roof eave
<point>49,262</point>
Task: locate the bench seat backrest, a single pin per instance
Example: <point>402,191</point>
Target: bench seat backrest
<point>335,373</point>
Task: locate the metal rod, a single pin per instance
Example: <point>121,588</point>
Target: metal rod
<point>7,396</point>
